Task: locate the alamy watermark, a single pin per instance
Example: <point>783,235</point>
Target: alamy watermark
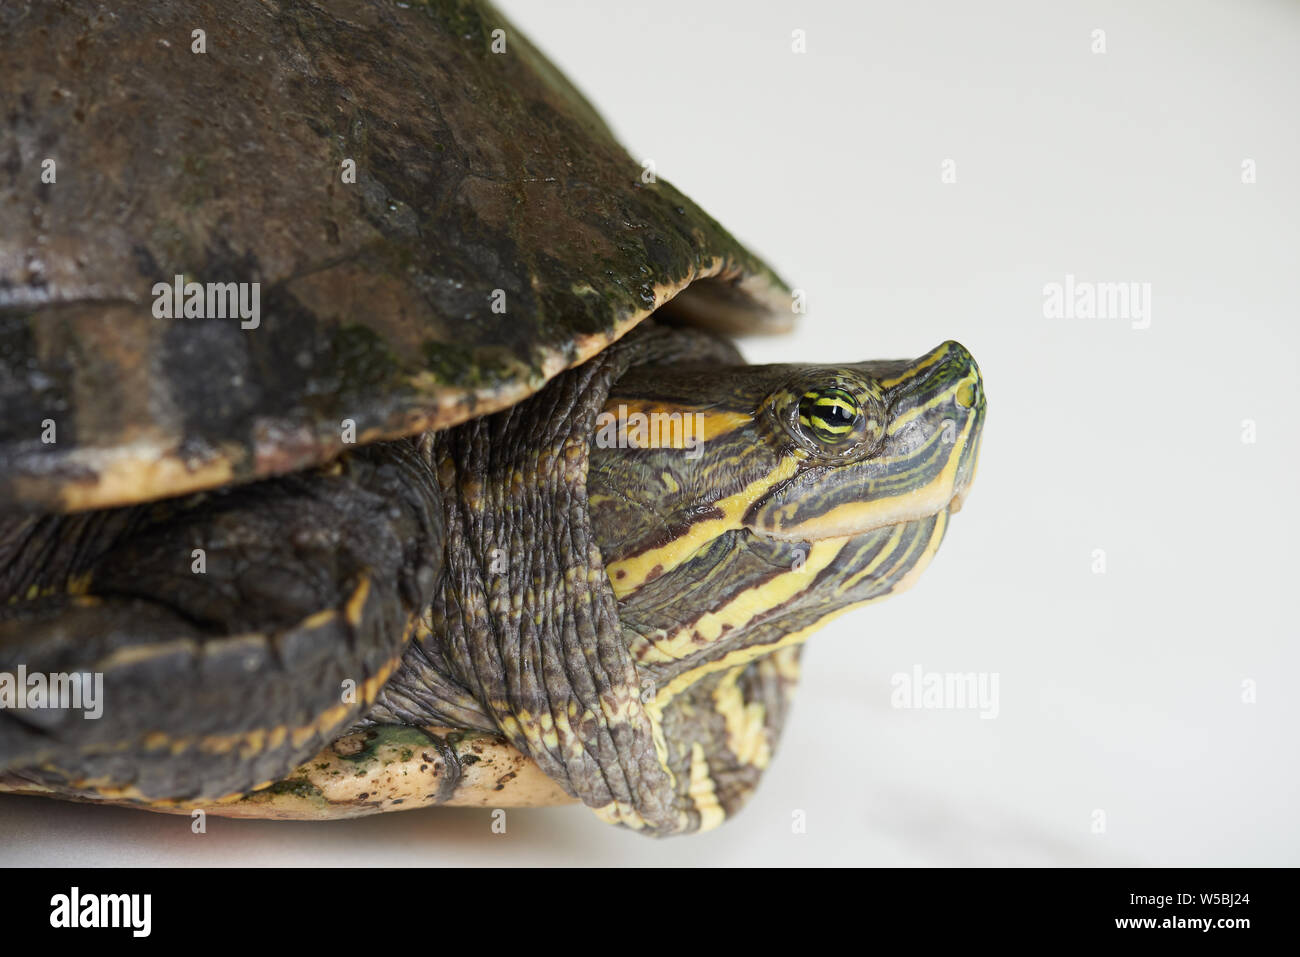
<point>58,691</point>
<point>179,299</point>
<point>651,430</point>
<point>1079,299</point>
<point>946,690</point>
<point>75,909</point>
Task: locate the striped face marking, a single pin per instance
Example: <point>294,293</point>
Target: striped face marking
<point>828,486</point>
<point>920,460</point>
<point>793,453</point>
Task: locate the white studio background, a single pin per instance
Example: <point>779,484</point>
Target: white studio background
<point>1124,692</point>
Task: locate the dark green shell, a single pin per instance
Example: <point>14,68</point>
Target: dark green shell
<point>483,181</point>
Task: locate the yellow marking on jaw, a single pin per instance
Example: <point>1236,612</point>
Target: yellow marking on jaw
<point>631,573</point>
<point>742,656</point>
<point>746,722</point>
<point>861,516</point>
<point>702,791</point>
<point>742,609</point>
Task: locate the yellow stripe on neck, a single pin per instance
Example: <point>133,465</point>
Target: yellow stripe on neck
<point>741,610</point>
<point>741,656</point>
<point>629,574</point>
<point>746,722</point>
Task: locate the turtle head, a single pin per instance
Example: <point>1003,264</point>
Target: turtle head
<point>791,453</point>
<point>876,444</point>
<point>765,498</point>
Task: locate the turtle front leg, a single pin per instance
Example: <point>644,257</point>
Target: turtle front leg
<point>220,639</point>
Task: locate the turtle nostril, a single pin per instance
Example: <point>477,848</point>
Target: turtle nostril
<point>966,394</point>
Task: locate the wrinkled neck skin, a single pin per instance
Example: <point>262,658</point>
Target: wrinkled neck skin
<point>496,539</point>
<point>523,635</point>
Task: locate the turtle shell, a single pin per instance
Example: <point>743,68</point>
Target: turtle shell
<point>436,223</point>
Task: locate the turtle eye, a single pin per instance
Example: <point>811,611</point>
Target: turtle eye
<point>830,415</point>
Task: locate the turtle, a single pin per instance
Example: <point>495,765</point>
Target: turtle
<point>373,433</point>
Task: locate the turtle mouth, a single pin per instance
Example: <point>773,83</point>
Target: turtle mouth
<point>869,517</point>
<point>805,507</point>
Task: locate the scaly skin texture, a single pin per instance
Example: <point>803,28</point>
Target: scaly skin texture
<point>656,698</point>
<point>225,624</point>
